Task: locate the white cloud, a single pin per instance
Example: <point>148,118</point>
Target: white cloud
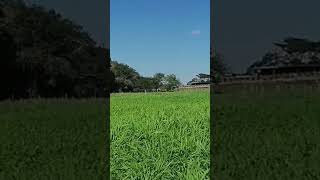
<point>196,32</point>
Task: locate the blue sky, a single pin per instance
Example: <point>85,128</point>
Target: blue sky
<point>169,36</point>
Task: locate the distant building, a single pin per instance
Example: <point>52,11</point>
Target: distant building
<point>200,80</point>
<point>289,69</point>
<point>276,73</point>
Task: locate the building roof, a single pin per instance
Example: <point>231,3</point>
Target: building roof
<point>201,75</point>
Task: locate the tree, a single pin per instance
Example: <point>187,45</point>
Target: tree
<point>125,76</point>
<point>54,56</point>
<point>158,80</point>
<point>218,68</point>
<point>291,45</point>
<point>170,82</point>
<point>144,84</point>
<point>7,65</point>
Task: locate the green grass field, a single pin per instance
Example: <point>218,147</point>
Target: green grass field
<point>273,134</point>
<point>160,135</point>
<point>52,139</point>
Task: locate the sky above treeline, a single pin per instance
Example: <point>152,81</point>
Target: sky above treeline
<point>169,36</point>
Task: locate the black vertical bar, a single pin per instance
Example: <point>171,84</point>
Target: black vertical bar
<point>212,135</point>
<point>107,125</point>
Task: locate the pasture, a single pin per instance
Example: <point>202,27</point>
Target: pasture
<point>273,133</point>
<point>52,139</point>
<point>160,135</point>
<point>269,134</point>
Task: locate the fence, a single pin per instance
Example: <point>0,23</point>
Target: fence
<point>193,87</point>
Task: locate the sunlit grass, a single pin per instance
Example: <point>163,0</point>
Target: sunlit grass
<point>160,135</point>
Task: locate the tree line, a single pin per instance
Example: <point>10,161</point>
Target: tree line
<point>44,54</point>
<point>128,79</point>
<point>290,52</point>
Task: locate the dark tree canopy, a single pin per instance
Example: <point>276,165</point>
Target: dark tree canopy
<point>218,68</point>
<point>291,51</point>
<point>48,55</point>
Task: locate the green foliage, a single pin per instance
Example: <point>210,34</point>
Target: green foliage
<point>144,84</point>
<point>170,82</point>
<point>128,79</point>
<point>158,78</point>
<point>160,135</point>
<point>125,76</point>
